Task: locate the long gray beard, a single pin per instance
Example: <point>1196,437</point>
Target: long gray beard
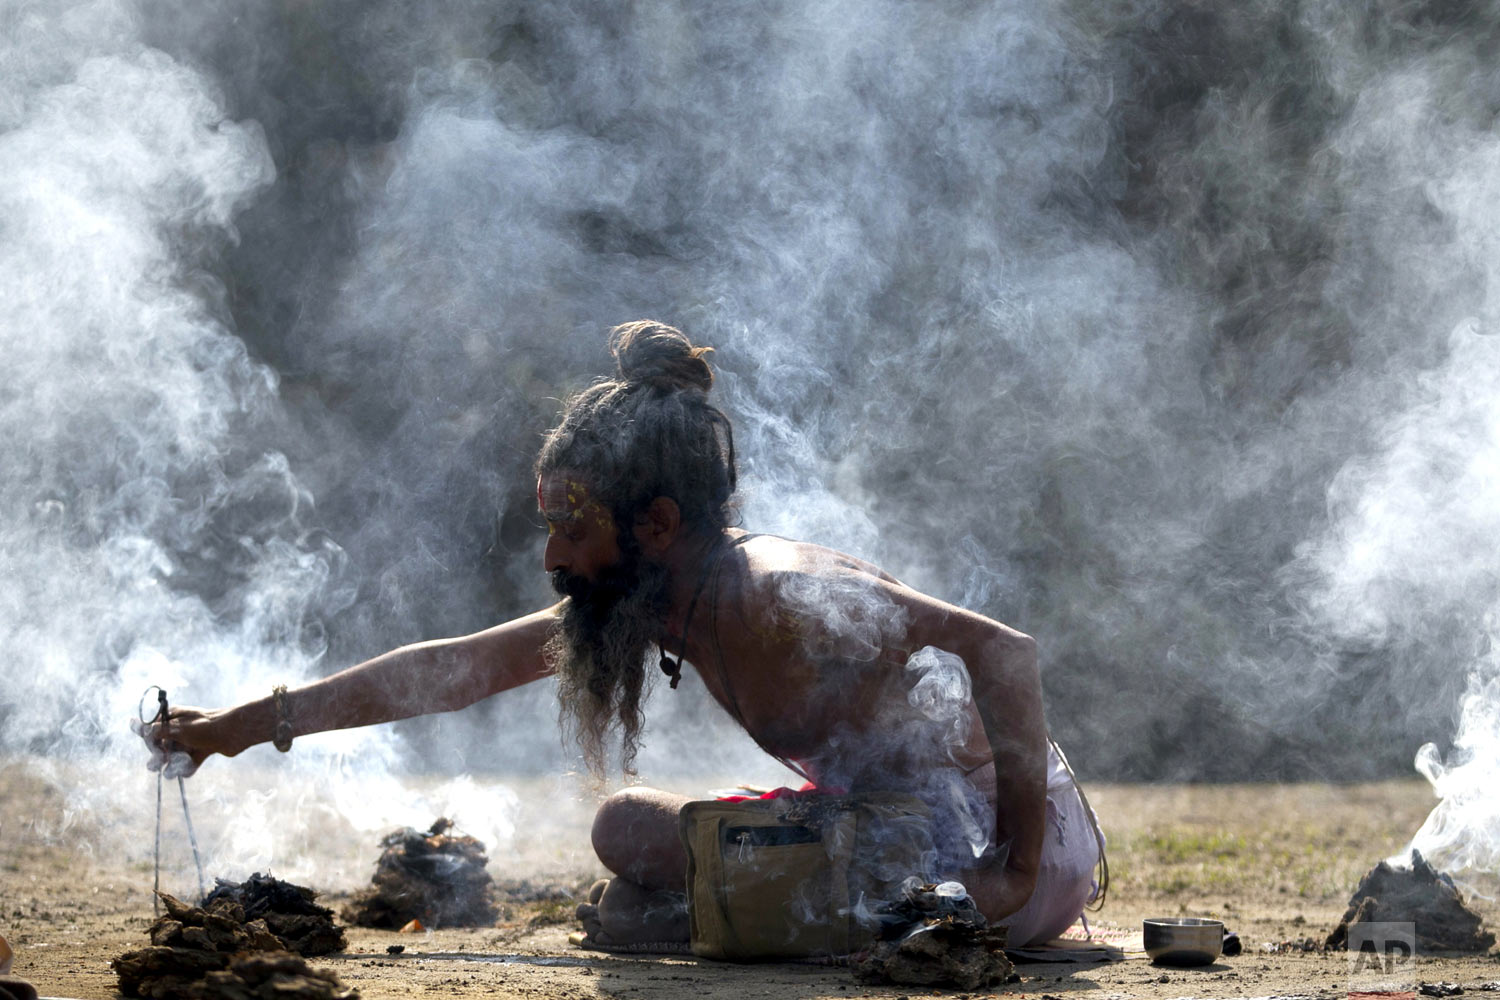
<point>599,656</point>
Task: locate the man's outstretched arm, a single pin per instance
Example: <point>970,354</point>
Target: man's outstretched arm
<point>420,679</point>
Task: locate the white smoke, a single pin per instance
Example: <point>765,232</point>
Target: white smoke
<point>1410,554</point>
<point>1406,564</point>
<point>147,540</point>
<point>125,388</point>
<point>1126,325</point>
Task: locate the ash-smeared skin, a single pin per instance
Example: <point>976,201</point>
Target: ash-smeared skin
<point>834,694</point>
<point>808,647</point>
<point>840,699</point>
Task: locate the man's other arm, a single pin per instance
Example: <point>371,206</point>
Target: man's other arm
<point>1007,691</point>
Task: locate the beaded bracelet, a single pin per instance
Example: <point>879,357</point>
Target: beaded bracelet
<point>281,736</point>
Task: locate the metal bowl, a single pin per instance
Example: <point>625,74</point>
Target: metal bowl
<point>1183,940</point>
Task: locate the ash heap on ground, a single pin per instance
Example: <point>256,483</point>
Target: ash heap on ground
<point>1419,895</point>
<point>436,877</point>
<point>935,936</point>
<point>217,952</point>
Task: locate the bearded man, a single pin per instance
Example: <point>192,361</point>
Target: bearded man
<point>831,665</point>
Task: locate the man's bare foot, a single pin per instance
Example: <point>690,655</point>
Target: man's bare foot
<point>588,913</point>
<point>620,912</point>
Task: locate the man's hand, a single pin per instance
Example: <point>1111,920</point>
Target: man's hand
<point>999,892</point>
<point>180,744</point>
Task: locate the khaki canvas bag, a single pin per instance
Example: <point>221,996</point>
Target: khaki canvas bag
<point>798,878</point>
<point>793,877</point>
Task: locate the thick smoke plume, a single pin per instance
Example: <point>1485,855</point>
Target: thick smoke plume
<point>1156,331</point>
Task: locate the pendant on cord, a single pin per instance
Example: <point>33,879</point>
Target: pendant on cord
<point>672,670</point>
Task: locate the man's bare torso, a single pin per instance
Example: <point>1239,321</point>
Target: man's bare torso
<point>809,649</point>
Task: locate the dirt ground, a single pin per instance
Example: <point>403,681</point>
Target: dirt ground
<point>1275,862</point>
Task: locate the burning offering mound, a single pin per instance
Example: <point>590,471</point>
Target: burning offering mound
<point>436,878</point>
<point>1419,895</point>
<point>212,952</point>
<point>935,936</point>
<point>289,911</point>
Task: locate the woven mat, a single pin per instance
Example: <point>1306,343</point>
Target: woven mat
<point>578,939</point>
<point>1105,943</point>
<point>1101,943</point>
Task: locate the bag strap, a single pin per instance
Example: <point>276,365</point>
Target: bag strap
<point>1096,901</point>
<point>730,701</point>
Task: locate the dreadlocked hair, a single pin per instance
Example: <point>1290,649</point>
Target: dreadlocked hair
<point>649,432</point>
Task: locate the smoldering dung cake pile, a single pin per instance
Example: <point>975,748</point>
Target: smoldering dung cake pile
<point>217,952</point>
<point>291,912</point>
<point>1419,895</point>
<point>437,877</point>
<point>935,936</point>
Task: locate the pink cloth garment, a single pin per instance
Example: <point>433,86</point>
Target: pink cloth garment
<point>1065,881</point>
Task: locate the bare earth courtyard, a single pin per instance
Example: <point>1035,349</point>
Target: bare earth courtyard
<point>1275,862</point>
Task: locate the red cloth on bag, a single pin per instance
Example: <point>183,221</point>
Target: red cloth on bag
<point>807,790</point>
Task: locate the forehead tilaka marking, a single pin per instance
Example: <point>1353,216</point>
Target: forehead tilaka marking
<point>563,499</point>
<point>560,497</point>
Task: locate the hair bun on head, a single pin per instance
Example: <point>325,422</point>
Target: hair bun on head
<point>653,353</point>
